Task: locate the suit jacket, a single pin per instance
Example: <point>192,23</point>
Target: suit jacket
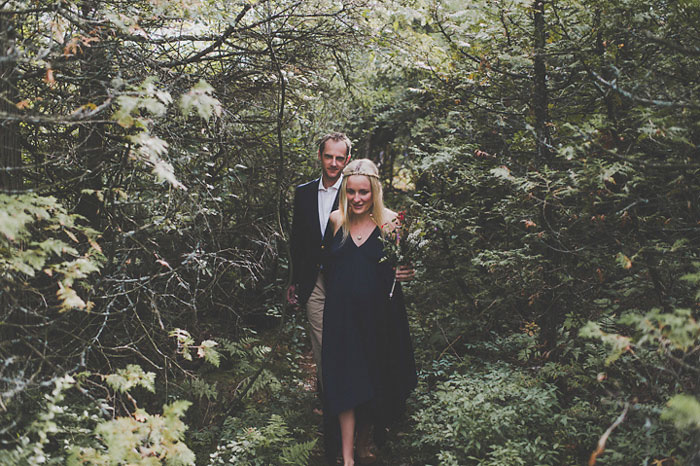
<point>306,240</point>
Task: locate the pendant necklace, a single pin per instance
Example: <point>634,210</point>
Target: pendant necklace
<point>359,237</point>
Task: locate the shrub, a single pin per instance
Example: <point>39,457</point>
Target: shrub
<point>499,415</point>
<point>253,446</point>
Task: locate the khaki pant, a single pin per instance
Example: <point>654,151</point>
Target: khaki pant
<point>314,312</point>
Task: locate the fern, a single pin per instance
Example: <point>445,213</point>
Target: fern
<point>272,444</point>
<point>38,235</point>
<point>297,454</point>
<point>126,379</point>
<point>201,389</point>
<point>265,381</point>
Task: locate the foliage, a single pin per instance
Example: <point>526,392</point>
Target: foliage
<point>141,439</point>
<point>204,350</point>
<point>210,98</point>
<point>31,446</point>
<point>593,222</point>
<point>126,379</point>
<point>500,416</point>
<point>548,151</point>
<point>248,363</point>
<point>675,338</point>
<point>684,411</point>
<point>480,410</point>
<point>39,237</point>
<point>271,444</point>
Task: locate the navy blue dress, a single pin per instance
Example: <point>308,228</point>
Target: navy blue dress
<point>367,353</point>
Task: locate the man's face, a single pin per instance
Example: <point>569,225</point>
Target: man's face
<point>333,160</point>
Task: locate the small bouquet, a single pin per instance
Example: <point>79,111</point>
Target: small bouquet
<point>403,241</point>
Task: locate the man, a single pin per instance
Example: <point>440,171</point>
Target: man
<point>313,203</point>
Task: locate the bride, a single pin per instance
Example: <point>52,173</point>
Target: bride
<point>368,365</point>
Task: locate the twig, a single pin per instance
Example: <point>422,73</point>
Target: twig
<point>612,84</point>
<point>479,60</point>
<point>693,51</point>
<point>230,30</point>
<point>604,437</point>
<point>448,347</point>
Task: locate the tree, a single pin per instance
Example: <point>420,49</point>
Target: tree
<point>10,177</point>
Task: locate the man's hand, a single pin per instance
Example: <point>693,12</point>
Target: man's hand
<point>405,273</point>
<point>292,295</point>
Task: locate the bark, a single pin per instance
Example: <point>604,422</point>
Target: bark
<point>610,97</point>
<point>540,99</point>
<point>551,315</point>
<point>10,155</point>
<point>91,136</point>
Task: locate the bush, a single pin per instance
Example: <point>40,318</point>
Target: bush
<point>252,446</point>
<point>499,415</point>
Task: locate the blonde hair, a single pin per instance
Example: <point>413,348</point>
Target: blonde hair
<point>362,167</point>
<point>335,137</point>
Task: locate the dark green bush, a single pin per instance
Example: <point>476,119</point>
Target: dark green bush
<point>495,415</point>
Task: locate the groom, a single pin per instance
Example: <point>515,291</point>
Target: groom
<point>313,203</point>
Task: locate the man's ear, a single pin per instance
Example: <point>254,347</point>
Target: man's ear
<point>319,156</point>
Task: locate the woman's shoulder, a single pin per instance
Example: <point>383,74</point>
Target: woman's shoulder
<point>335,220</point>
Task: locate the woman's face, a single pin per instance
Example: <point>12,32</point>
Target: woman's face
<point>359,192</point>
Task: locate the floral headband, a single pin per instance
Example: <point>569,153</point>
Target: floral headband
<point>359,171</point>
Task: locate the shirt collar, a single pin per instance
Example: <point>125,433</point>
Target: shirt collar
<point>336,186</point>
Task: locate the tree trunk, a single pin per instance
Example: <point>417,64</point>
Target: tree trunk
<point>91,135</point>
<point>10,156</point>
<point>551,315</point>
<point>539,95</point>
<point>612,137</point>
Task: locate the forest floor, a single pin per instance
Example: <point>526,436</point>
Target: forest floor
<point>287,389</point>
<point>389,455</point>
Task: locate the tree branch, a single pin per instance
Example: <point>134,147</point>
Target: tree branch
<point>695,51</point>
<point>228,32</point>
<point>604,438</point>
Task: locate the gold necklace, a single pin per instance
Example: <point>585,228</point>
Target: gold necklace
<point>359,237</point>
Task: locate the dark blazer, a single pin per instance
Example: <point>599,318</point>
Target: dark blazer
<point>306,239</point>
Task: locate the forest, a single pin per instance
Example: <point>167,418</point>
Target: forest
<point>546,153</point>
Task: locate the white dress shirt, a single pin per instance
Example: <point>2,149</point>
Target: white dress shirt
<point>326,196</point>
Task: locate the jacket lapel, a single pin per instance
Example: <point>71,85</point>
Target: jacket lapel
<point>335,201</point>
<point>313,201</point>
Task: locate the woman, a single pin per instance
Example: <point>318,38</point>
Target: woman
<point>368,366</point>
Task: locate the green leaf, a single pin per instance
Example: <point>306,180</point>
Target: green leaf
<point>176,409</point>
<point>618,344</point>
<point>69,298</point>
<point>206,350</point>
<point>133,375</point>
<point>623,261</point>
<point>683,411</point>
<point>200,98</point>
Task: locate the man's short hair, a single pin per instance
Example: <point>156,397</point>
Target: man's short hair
<point>335,137</point>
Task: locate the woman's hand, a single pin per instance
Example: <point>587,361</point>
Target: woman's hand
<point>405,273</point>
